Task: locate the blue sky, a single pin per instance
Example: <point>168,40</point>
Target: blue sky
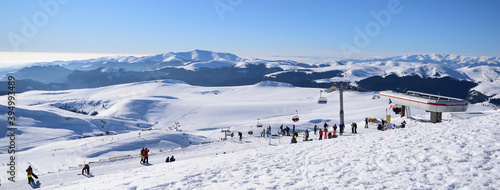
<point>271,27</point>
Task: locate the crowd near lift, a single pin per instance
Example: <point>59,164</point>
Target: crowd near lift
<point>321,100</point>
<point>295,118</point>
<point>258,123</point>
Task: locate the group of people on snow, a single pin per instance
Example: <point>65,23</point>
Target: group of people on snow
<point>170,159</point>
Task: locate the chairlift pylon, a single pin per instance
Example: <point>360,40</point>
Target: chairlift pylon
<point>322,100</point>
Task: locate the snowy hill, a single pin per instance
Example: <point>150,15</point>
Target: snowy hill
<point>57,132</point>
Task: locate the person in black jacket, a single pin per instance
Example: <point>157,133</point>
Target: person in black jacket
<point>86,168</point>
<point>172,159</point>
<point>30,173</point>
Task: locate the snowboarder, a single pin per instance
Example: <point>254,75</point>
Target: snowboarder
<point>403,124</point>
<point>168,159</point>
<point>354,127</point>
<point>306,133</point>
<point>393,126</point>
<point>172,159</point>
<point>268,131</point>
<point>269,135</point>
<point>287,131</point>
<point>142,155</point>
<point>379,127</point>
<point>281,129</point>
<point>366,122</point>
<point>325,125</point>
<point>241,135</point>
<point>294,137</point>
<point>86,169</point>
<point>326,133</point>
<point>146,155</point>
<point>334,129</point>
<point>30,173</point>
<point>315,128</point>
<point>232,135</point>
<point>293,128</point>
<point>341,126</point>
<point>320,134</point>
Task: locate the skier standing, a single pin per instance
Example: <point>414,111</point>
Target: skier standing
<point>320,134</point>
<point>241,135</point>
<point>354,127</point>
<point>366,122</point>
<point>315,128</point>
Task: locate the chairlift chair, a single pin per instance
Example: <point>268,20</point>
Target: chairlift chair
<point>322,100</point>
<point>258,123</point>
<point>295,118</point>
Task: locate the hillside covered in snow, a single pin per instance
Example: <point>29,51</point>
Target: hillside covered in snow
<point>59,131</point>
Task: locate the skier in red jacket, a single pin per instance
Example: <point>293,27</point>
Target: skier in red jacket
<point>320,134</point>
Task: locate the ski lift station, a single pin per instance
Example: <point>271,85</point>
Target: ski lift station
<point>435,104</point>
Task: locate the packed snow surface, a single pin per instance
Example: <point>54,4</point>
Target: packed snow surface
<point>461,152</point>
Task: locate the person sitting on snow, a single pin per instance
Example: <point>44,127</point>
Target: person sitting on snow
<point>172,159</point>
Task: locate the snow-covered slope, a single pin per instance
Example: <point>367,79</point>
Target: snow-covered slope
<point>136,115</point>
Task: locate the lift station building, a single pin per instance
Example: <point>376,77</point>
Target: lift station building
<point>435,104</point>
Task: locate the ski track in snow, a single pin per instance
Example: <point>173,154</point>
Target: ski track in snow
<point>453,154</point>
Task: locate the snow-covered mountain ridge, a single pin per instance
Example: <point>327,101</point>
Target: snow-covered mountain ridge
<point>207,68</point>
